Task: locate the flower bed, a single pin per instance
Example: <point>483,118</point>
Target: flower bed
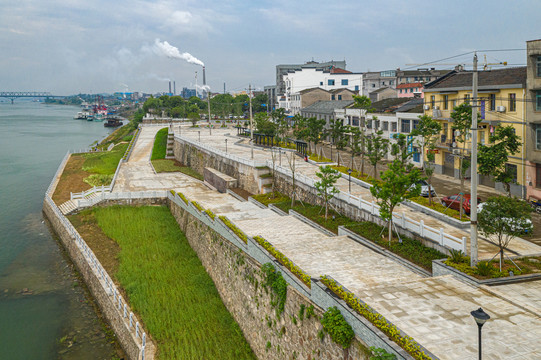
<point>235,229</point>
<point>491,270</point>
<point>405,342</point>
<point>284,260</point>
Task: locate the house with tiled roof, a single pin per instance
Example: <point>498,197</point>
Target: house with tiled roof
<point>501,101</point>
<point>410,90</point>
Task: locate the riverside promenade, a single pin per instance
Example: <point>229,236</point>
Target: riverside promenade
<point>435,311</point>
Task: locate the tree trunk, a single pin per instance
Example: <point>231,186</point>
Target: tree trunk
<point>390,229</point>
<point>362,164</point>
<point>501,259</point>
<point>376,171</point>
<point>326,207</point>
<point>429,192</point>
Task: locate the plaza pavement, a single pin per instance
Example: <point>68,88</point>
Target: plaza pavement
<point>435,311</point>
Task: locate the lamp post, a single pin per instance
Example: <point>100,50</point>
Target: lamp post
<point>480,318</point>
<point>349,172</point>
<point>226,146</point>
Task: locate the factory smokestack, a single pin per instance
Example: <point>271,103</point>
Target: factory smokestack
<point>204,77</point>
<point>169,86</point>
<point>174,88</point>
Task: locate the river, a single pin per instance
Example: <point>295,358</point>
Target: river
<point>44,312</point>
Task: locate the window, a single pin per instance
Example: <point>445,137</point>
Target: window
<point>416,154</point>
<point>538,137</point>
<point>411,90</point>
<point>394,127</point>
<point>445,129</point>
<point>401,91</point>
<point>368,124</point>
<point>512,170</point>
<point>385,126</point>
<point>428,78</point>
<point>512,102</point>
<point>415,124</point>
<point>391,82</point>
<point>373,85</point>
<point>432,101</point>
<point>538,175</point>
<point>405,126</point>
<point>416,78</point>
<point>332,97</point>
<point>344,81</point>
<point>383,83</point>
<point>454,104</point>
<point>339,97</point>
<point>356,87</point>
<point>538,101</point>
<point>492,99</point>
<point>481,137</point>
<point>321,83</point>
<point>445,102</point>
<point>467,98</point>
<point>538,66</point>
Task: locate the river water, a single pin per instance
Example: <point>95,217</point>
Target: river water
<point>44,313</point>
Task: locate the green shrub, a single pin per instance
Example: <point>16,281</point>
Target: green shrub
<point>484,268</point>
<point>211,214</point>
<point>183,197</point>
<point>275,281</point>
<point>338,328</point>
<point>318,158</point>
<point>380,354</point>
<point>271,198</point>
<point>458,256</point>
<point>98,179</point>
<point>197,206</point>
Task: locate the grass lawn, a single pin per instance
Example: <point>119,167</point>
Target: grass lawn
<point>167,285</point>
<point>170,165</point>
<point>160,145</point>
<point>104,163</point>
<point>271,198</point>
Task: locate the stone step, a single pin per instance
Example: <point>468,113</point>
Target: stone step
<point>67,207</point>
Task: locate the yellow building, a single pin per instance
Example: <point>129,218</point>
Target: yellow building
<point>501,102</point>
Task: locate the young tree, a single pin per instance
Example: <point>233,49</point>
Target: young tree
<point>315,130</point>
<point>291,162</point>
<point>462,123</point>
<point>279,118</point>
<point>194,118</point>
<point>364,103</point>
<point>502,218</point>
<point>337,131</point>
<point>376,149</point>
<point>263,125</point>
<point>397,185</point>
<point>428,130</point>
<point>325,186</point>
<point>358,144</point>
<point>492,158</point>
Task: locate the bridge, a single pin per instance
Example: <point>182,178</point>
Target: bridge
<point>12,95</point>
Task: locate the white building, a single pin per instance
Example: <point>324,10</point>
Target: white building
<point>331,79</point>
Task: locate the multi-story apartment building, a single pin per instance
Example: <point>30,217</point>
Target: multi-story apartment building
<point>501,101</point>
<point>307,97</point>
<point>285,69</point>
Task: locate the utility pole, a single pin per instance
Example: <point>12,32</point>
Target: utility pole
<point>251,121</point>
<point>473,199</point>
<point>208,102</point>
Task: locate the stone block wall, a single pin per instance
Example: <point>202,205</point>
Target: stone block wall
<point>239,280</point>
<point>199,159</point>
<point>126,338</point>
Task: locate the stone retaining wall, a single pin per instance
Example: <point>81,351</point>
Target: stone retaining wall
<point>126,338</point>
<point>199,159</point>
<point>239,281</point>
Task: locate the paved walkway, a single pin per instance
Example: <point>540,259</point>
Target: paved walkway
<point>435,311</point>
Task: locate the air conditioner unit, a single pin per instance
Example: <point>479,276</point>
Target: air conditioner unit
<point>456,151</point>
<point>500,108</point>
<point>436,107</point>
<point>426,107</point>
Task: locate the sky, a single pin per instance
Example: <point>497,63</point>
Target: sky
<point>92,46</point>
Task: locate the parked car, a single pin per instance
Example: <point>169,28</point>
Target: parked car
<point>424,188</point>
<point>524,226</point>
<point>453,202</point>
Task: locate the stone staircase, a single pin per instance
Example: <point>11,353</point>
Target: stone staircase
<point>170,141</point>
<point>264,179</point>
<point>71,206</point>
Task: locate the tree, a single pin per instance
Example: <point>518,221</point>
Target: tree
<point>376,149</point>
<point>337,131</point>
<point>428,130</point>
<point>260,103</point>
<point>358,144</point>
<point>397,184</point>
<point>462,123</point>
<point>291,161</point>
<point>315,130</point>
<point>279,118</point>
<point>502,218</point>
<point>300,129</point>
<point>263,125</point>
<point>325,186</point>
<point>363,102</point>
<point>492,159</point>
<point>194,118</point>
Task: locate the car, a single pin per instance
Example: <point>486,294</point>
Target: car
<point>453,202</point>
<point>524,227</point>
<point>424,188</point>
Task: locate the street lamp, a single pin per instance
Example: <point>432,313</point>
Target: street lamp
<point>349,172</point>
<point>199,132</point>
<point>226,146</point>
<point>480,318</point>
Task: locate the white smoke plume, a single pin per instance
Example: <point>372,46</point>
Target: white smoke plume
<point>203,87</point>
<point>166,49</point>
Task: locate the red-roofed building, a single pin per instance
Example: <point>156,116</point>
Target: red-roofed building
<point>410,90</point>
